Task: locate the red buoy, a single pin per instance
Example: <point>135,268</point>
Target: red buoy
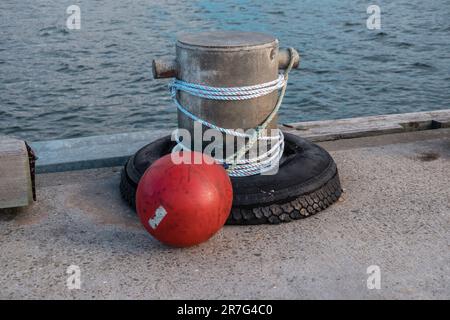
<point>184,204</point>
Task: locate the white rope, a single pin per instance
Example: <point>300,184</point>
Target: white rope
<point>231,93</point>
<point>250,166</point>
<point>238,165</point>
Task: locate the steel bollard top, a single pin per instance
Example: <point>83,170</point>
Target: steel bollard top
<point>222,41</point>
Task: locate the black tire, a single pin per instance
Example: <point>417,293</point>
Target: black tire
<point>306,183</point>
<point>284,211</point>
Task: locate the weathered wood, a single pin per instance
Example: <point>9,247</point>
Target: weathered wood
<point>368,126</point>
<point>15,176</point>
<point>91,152</point>
<point>113,150</point>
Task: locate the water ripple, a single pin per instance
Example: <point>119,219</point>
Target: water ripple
<point>60,83</point>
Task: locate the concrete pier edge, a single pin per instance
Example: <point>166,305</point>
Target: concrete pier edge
<point>113,150</point>
<point>394,215</point>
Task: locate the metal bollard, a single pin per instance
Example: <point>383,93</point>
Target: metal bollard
<point>226,59</point>
<point>300,179</point>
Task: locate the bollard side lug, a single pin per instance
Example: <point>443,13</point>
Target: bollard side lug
<point>164,68</point>
<point>284,57</point>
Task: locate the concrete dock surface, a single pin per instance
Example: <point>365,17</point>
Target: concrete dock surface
<point>394,214</point>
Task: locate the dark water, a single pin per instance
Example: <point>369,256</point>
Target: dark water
<point>59,83</point>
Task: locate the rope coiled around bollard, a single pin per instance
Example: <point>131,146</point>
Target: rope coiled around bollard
<point>237,165</point>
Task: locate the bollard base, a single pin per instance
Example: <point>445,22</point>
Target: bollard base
<point>306,183</point>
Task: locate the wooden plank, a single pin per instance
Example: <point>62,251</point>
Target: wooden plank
<point>15,177</point>
<point>369,126</point>
<point>114,150</point>
<point>91,152</point>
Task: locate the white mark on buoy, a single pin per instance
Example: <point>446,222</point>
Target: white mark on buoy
<point>159,215</point>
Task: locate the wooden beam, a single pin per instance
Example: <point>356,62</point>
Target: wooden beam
<point>326,130</point>
<point>15,175</point>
